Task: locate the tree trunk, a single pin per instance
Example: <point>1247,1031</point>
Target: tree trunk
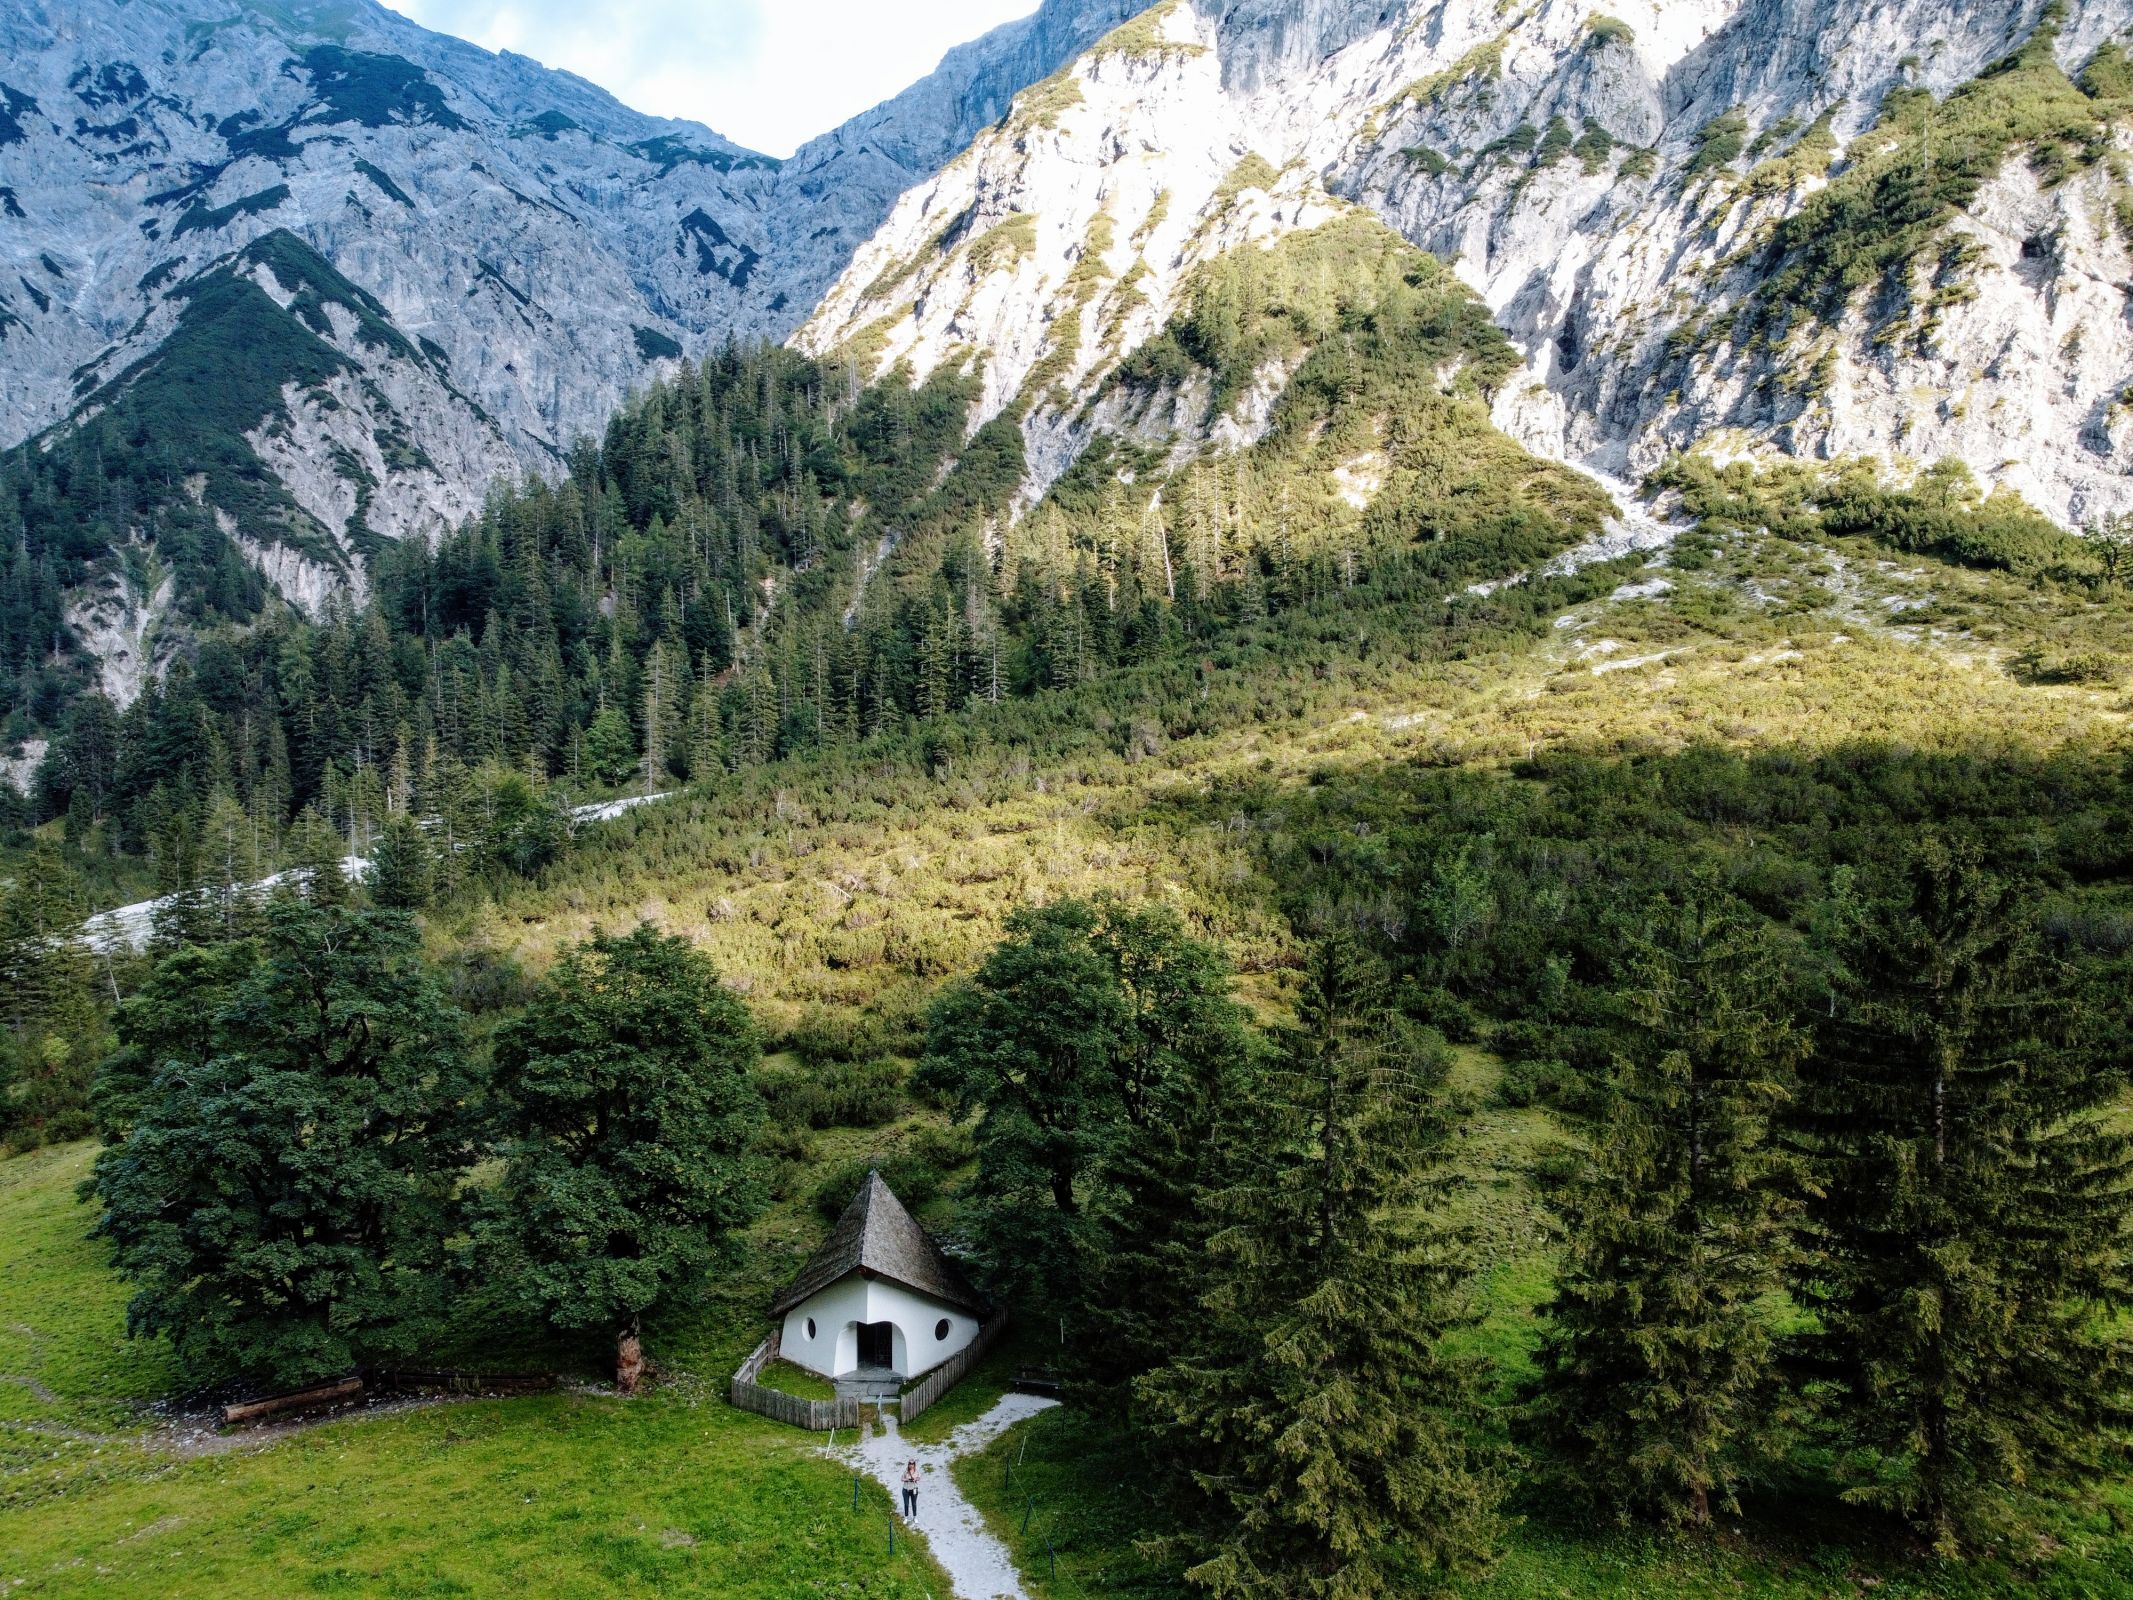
<point>629,1361</point>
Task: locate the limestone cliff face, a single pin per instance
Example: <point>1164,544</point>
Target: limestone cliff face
<point>537,249</point>
<point>1614,185</point>
<point>507,251</point>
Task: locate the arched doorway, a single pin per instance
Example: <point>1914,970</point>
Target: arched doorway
<point>877,1346</point>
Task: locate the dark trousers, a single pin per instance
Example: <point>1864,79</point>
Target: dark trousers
<point>910,1502</point>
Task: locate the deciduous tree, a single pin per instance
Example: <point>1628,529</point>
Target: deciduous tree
<point>626,1111</point>
<point>285,1188</point>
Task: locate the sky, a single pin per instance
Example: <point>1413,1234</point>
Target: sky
<point>769,74</point>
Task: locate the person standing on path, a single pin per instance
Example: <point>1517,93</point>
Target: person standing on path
<point>911,1489</point>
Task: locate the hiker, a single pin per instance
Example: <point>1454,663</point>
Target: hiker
<point>911,1489</point>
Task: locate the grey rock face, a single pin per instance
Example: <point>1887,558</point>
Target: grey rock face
<point>542,248</point>
<point>1602,262</point>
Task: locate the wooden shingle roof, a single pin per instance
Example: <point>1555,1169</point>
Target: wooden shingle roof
<point>877,1236</point>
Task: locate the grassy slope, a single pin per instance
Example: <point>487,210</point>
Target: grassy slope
<point>865,883</point>
<point>850,887</point>
<point>559,1495</point>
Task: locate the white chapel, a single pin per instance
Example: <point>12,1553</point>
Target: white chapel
<point>879,1300</point>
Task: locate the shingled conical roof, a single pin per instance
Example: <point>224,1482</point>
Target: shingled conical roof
<point>877,1236</point>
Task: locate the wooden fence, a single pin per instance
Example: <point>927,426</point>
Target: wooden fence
<point>818,1416</point>
<point>920,1398</point>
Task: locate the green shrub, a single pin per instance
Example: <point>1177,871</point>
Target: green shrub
<point>1922,164</point>
<point>844,1094</point>
<point>1554,144</point>
<point>918,1173</point>
<point>1593,148</point>
<point>2088,667</point>
<point>1719,142</point>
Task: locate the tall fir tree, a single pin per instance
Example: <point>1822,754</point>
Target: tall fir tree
<point>1333,1434</point>
<point>1181,1068</point>
<point>1971,1211</point>
<point>1659,1387</point>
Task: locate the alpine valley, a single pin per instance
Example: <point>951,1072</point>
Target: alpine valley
<point>1415,712</point>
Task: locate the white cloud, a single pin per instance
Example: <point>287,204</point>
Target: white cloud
<point>770,74</point>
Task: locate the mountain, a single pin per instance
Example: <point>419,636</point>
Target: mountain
<point>1758,227</point>
<point>286,283</point>
<point>435,267</point>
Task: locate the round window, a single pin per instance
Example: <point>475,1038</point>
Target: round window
<point>940,1328</point>
<point>810,1327</point>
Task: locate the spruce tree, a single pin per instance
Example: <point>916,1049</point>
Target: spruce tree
<point>1332,1434</point>
<point>1971,1210</point>
<point>1658,1390</point>
<point>402,866</point>
<point>1180,1069</point>
<point>51,1027</point>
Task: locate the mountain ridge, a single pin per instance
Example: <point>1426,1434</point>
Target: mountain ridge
<point>1603,182</point>
<point>537,250</point>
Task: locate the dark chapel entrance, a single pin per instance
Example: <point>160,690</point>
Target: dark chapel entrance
<point>877,1345</point>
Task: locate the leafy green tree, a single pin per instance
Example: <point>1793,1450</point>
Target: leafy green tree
<point>1333,1435</point>
<point>519,825</point>
<point>2112,539</point>
<point>1032,1044</point>
<point>1659,1384</point>
<point>170,1024</point>
<point>1971,1205</point>
<point>627,1110</point>
<point>284,1191</point>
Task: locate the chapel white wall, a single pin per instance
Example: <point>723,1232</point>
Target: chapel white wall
<point>839,1310</point>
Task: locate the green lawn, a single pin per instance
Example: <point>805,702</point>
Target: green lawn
<point>798,1382</point>
<point>569,1494</point>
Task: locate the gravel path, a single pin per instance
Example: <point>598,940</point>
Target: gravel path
<point>978,1565</point>
<point>130,927</point>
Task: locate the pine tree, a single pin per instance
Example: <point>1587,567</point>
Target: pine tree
<point>1971,1210</point>
<point>315,861</point>
<point>1659,1375</point>
<point>1331,1432</point>
<point>402,867</point>
<point>53,1030</point>
<point>610,748</point>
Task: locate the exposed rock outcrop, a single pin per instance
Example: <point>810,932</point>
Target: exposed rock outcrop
<point>1613,185</point>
